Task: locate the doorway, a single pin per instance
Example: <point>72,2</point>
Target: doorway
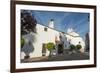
<point>60,48</point>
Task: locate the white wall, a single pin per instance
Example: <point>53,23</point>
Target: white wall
<point>76,40</point>
<point>5,37</point>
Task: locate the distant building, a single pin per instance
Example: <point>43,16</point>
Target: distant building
<point>60,39</point>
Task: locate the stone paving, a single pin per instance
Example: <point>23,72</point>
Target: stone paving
<point>61,57</point>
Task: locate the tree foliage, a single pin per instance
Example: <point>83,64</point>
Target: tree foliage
<point>78,47</point>
<point>50,46</point>
<point>22,42</point>
<point>28,22</point>
<point>72,47</point>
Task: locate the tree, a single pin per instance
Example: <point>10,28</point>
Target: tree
<point>72,47</point>
<point>78,47</point>
<point>28,22</point>
<point>50,46</point>
<point>27,49</point>
<point>87,42</point>
<point>22,42</point>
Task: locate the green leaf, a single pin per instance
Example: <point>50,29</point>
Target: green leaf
<point>78,47</point>
<point>50,46</point>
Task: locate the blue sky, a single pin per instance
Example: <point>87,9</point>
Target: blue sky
<point>79,22</point>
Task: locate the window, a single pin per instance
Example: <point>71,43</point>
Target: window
<point>43,49</point>
<point>79,42</point>
<point>45,29</point>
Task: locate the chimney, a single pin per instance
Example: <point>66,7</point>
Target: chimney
<point>51,23</point>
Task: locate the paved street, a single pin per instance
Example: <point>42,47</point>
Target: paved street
<point>67,57</point>
<point>63,57</point>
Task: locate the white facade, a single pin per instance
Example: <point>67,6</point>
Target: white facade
<point>75,40</point>
<point>43,37</point>
<point>48,34</point>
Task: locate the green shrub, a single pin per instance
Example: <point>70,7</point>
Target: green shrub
<point>50,46</point>
<point>78,47</point>
<point>72,47</point>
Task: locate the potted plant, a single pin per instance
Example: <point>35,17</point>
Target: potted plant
<point>72,48</point>
<point>50,46</point>
<point>78,47</point>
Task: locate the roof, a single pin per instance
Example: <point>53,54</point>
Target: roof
<point>70,34</point>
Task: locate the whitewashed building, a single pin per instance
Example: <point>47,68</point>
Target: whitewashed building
<point>49,34</point>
